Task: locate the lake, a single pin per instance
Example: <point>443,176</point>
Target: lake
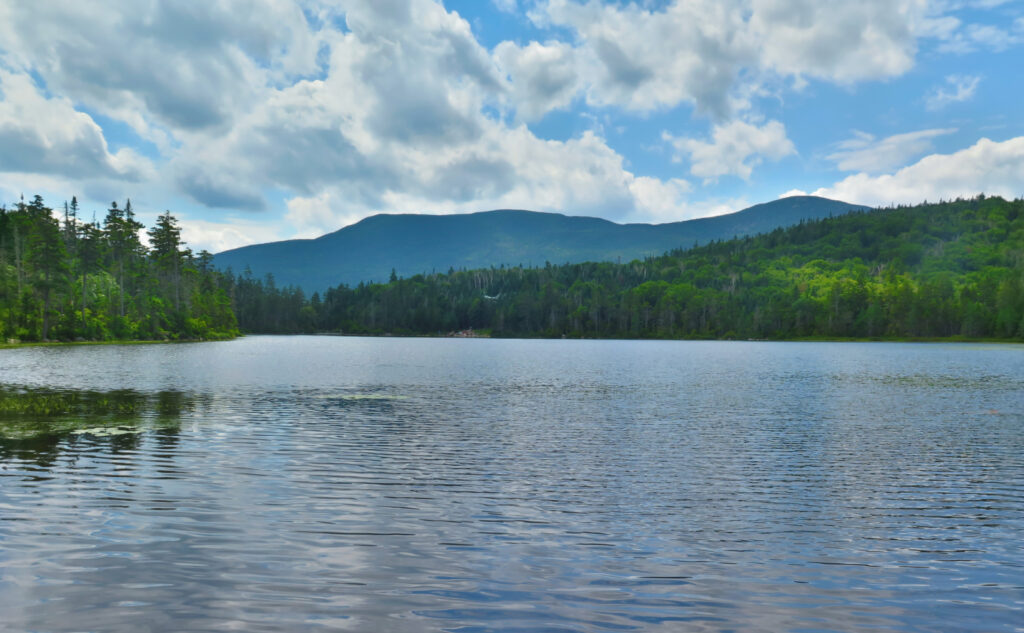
<point>389,484</point>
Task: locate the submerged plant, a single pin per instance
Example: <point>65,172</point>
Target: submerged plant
<point>27,412</point>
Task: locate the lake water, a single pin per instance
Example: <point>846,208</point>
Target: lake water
<point>378,484</point>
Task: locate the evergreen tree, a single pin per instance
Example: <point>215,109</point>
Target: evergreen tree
<point>78,280</point>
<point>165,252</point>
<point>47,255</point>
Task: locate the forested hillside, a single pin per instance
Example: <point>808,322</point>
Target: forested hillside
<point>953,269</point>
<point>76,280</point>
<point>412,244</point>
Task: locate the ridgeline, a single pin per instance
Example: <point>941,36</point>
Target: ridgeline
<point>410,244</point>
<point>948,270</point>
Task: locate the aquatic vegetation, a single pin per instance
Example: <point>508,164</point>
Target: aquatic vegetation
<point>27,412</point>
<point>45,403</point>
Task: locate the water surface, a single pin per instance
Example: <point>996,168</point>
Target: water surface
<point>321,483</point>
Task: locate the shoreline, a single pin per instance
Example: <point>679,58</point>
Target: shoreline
<point>806,339</point>
<point>20,344</point>
<point>815,339</point>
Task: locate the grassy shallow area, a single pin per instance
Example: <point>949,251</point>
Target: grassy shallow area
<point>20,344</point>
<point>27,412</point>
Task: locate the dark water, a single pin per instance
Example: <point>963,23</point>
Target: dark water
<point>301,483</point>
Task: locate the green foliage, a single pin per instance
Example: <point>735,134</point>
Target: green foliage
<point>31,418</point>
<point>954,269</point>
<point>87,282</point>
<point>369,250</point>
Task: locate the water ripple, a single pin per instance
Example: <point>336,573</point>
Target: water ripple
<point>293,484</point>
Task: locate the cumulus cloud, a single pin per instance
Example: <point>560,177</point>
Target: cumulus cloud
<point>215,237</point>
<point>734,149</point>
<point>580,175</point>
<point>698,51</point>
<point>186,66</point>
<point>402,125</point>
<point>961,88</point>
<point>866,153</point>
<point>842,42</point>
<point>346,107</point>
<point>48,136</point>
<point>217,188</point>
<point>543,77</point>
<point>407,78</point>
<point>990,167</point>
<point>644,60</point>
<point>312,216</point>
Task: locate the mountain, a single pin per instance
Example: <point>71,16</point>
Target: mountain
<point>952,269</point>
<point>411,243</point>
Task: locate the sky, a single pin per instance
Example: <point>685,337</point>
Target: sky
<point>259,120</point>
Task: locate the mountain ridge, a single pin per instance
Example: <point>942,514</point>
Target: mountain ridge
<point>410,243</point>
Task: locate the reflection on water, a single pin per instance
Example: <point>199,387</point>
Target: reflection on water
<point>300,483</point>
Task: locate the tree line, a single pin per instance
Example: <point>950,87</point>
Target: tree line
<point>951,269</point>
<point>67,279</point>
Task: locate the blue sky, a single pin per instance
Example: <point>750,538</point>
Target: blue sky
<point>254,121</point>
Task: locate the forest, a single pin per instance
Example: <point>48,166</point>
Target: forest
<point>946,270</point>
<point>71,280</point>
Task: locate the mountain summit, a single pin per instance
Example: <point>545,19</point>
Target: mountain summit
<point>412,243</point>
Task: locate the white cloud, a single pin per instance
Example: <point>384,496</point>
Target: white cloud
<point>734,149</point>
<point>703,51</point>
<point>313,216</point>
<point>956,5</point>
<point>403,128</point>
<point>992,37</point>
<point>962,89</point>
<point>543,77</point>
<point>644,60</point>
<point>968,38</point>
<point>994,168</point>
<point>506,6</point>
<point>48,136</point>
<point>182,66</point>
<point>837,41</point>
<point>512,168</point>
<point>661,201</point>
<point>347,107</point>
<point>866,153</point>
<point>401,83</point>
<point>215,237</point>
<point>714,52</point>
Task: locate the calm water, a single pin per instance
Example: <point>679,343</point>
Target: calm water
<point>316,483</point>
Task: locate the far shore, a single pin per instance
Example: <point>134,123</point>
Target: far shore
<point>7,344</point>
<point>806,339</point>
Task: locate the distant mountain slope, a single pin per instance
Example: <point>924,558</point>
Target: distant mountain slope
<point>411,244</point>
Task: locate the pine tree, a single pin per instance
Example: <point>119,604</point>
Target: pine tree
<point>165,252</point>
<point>47,256</point>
